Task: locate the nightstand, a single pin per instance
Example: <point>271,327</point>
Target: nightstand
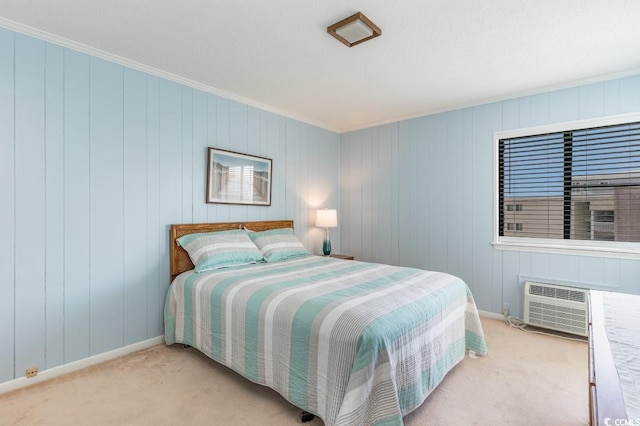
<point>342,256</point>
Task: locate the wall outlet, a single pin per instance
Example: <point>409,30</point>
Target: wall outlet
<point>505,309</point>
<point>32,372</point>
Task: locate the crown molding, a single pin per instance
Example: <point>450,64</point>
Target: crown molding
<point>485,101</point>
<point>80,47</point>
<point>147,69</point>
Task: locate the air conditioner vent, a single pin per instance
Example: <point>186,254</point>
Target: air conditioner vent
<point>557,292</point>
<point>556,307</point>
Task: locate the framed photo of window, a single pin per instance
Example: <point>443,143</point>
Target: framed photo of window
<point>235,178</point>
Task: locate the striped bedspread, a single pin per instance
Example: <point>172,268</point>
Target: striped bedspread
<point>354,343</point>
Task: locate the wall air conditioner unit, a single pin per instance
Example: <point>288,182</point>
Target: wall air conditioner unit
<point>556,307</point>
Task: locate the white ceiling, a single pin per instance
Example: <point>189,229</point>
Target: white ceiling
<point>433,55</point>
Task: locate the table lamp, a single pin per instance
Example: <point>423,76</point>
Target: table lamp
<point>327,218</point>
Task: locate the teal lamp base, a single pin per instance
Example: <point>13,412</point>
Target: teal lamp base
<point>326,247</point>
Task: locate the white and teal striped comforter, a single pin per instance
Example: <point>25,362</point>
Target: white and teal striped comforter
<point>352,342</point>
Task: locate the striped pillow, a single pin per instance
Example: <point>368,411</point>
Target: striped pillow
<point>278,244</point>
<point>214,250</point>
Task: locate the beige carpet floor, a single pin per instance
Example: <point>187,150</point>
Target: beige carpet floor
<point>524,380</point>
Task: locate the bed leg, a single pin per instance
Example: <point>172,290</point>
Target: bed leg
<point>306,417</point>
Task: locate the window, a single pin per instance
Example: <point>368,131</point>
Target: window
<point>576,184</point>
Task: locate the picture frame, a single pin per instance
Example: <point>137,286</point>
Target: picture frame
<point>236,178</point>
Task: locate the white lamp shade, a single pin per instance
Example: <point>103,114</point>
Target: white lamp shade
<point>327,218</point>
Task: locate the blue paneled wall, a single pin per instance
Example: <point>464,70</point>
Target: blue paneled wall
<point>96,161</point>
<point>420,193</point>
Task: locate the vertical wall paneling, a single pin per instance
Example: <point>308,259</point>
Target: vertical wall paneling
<point>313,185</point>
<point>171,152</point>
<point>238,143</point>
<point>378,207</point>
<point>187,154</point>
<point>199,156</point>
<point>345,184</point>
<point>170,169</point>
<point>611,101</point>
<point>269,146</point>
<point>157,233</point>
<point>592,101</point>
<point>564,267</point>
<point>481,199</point>
<point>418,155</point>
<point>453,201</point>
<point>630,94</point>
<point>421,179</point>
<point>29,203</point>
<point>439,166</point>
<point>106,206</point>
<point>405,249</point>
<point>539,109</point>
<point>383,173</point>
<point>212,141</point>
<point>467,195</point>
<point>368,189</point>
<point>629,273</point>
<point>379,165</point>
<point>54,201</point>
<point>315,188</point>
<point>296,138</point>
<point>564,105</point>
<point>330,154</point>
<point>590,270</point>
<point>135,206</point>
<point>254,146</point>
<point>355,198</point>
<point>445,193</point>
<point>511,114</point>
<point>508,279</point>
<point>96,162</point>
<point>513,291</point>
<point>395,208</point>
<point>7,207</point>
<point>488,159</point>
<point>291,172</point>
<point>76,206</point>
<point>540,265</point>
<point>221,140</point>
<point>278,143</point>
<point>312,190</point>
<point>612,274</point>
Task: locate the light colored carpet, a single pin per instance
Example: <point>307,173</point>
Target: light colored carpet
<point>525,379</point>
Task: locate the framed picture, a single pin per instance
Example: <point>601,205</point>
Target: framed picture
<point>234,178</point>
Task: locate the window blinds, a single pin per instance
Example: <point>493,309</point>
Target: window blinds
<point>581,184</point>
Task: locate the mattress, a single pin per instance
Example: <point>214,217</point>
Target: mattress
<point>622,325</point>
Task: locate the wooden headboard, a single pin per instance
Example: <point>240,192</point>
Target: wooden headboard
<point>179,258</point>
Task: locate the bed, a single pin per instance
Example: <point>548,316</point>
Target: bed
<point>352,342</point>
<point>614,358</point>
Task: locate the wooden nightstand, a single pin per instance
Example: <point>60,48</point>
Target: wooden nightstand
<point>342,256</point>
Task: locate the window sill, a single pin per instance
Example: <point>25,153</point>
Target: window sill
<point>577,250</point>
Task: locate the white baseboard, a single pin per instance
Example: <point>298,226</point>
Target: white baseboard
<point>51,373</point>
<point>492,315</point>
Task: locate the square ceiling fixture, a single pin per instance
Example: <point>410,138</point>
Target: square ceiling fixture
<point>354,30</point>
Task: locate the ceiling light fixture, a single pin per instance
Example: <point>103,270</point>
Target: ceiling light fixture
<point>354,30</point>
